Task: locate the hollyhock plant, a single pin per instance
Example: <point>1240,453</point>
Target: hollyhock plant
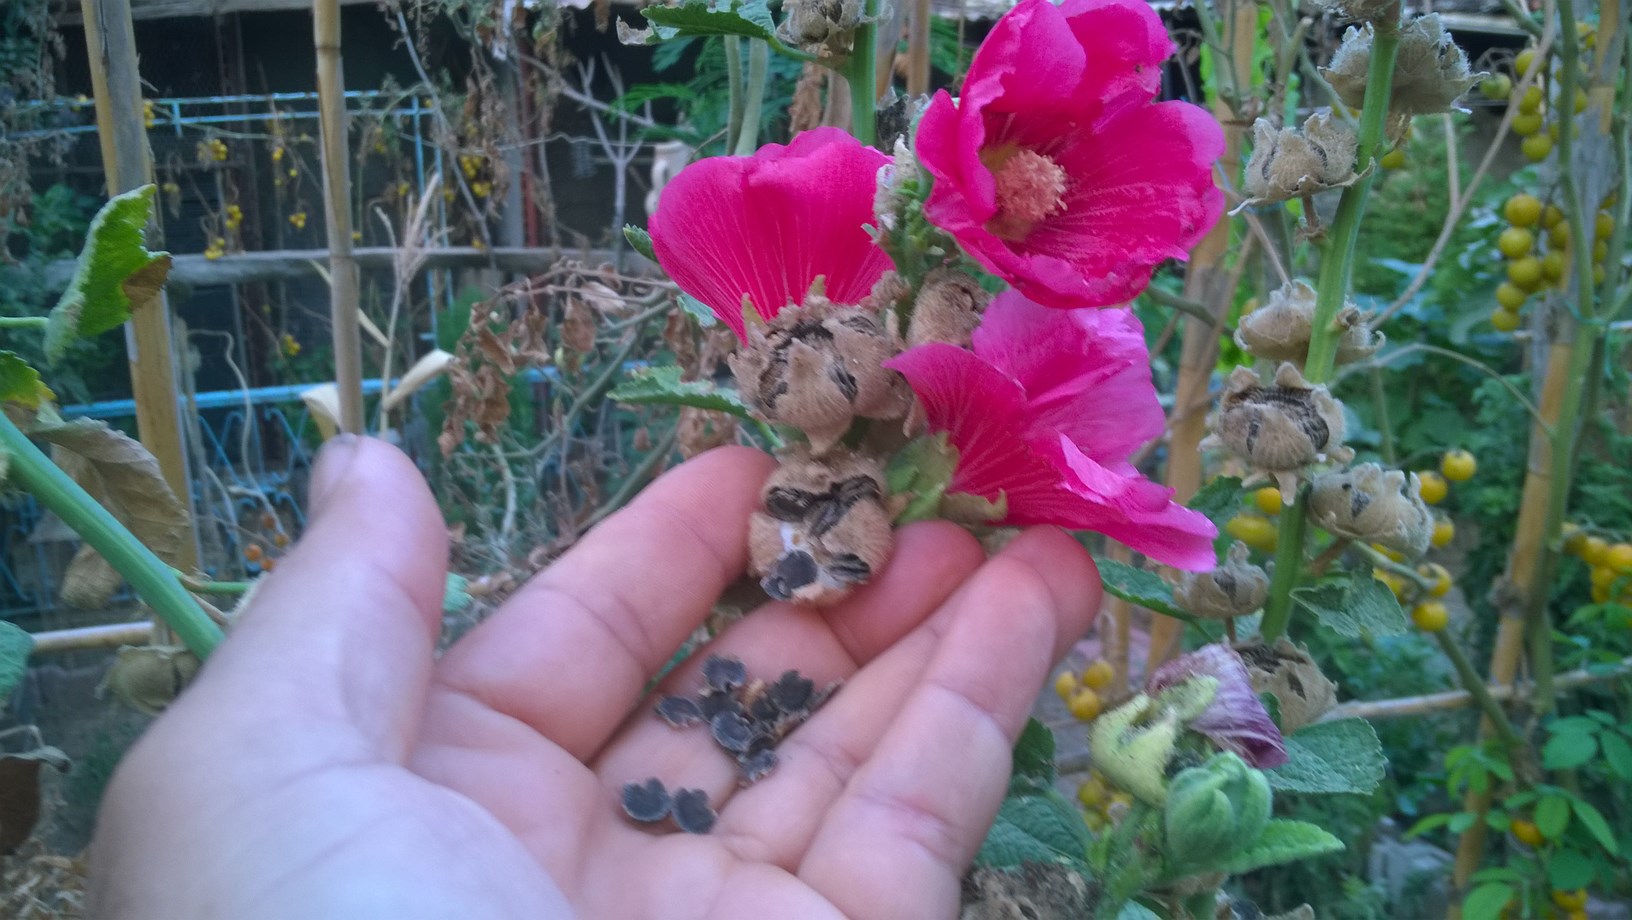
<point>1054,169</point>
<point>1235,720</point>
<point>1044,413</point>
<point>766,226</point>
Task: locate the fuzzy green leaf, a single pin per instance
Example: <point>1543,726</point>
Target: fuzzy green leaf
<point>1354,605</point>
<point>699,311</point>
<point>1282,841</point>
<point>1217,499</point>
<point>20,383</point>
<point>663,386</point>
<point>1035,828</point>
<point>1486,901</point>
<point>15,644</point>
<point>1137,586</point>
<point>455,593</point>
<point>1034,753</point>
<point>1342,755</point>
<point>640,240</point>
<point>704,17</point>
<point>115,273</point>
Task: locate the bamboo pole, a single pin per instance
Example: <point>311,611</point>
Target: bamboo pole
<point>87,637</point>
<point>110,43</point>
<point>918,48</point>
<point>1207,281</point>
<point>343,283</point>
<point>1406,706</point>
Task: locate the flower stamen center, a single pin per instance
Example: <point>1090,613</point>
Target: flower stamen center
<point>1030,187</point>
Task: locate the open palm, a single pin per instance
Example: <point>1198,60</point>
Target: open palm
<point>326,765</point>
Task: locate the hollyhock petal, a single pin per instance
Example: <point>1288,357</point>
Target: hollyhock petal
<point>1139,513</point>
<point>1235,720</point>
<point>1126,44</point>
<point>767,225</point>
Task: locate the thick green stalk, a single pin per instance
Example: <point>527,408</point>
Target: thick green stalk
<point>733,87</point>
<point>152,579</point>
<point>754,99</point>
<point>23,322</point>
<point>860,72</point>
<point>1475,685</point>
<point>1336,267</point>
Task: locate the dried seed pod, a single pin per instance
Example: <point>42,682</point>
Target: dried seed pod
<point>1280,329</point>
<point>1375,505</point>
<point>1293,163</point>
<point>1286,672</point>
<point>947,308</point>
<point>680,711</point>
<point>818,368</point>
<point>824,529</point>
<point>1281,428</point>
<point>1430,70</point>
<point>1362,9</point>
<point>646,802</point>
<point>820,26</point>
<point>723,672</point>
<point>692,812</point>
<point>1234,589</point>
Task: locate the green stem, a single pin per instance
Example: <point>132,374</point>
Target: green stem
<point>206,586</point>
<point>1288,561</point>
<point>23,322</point>
<point>860,72</point>
<point>733,84</point>
<point>758,59</point>
<point>1380,399</point>
<point>1475,685</point>
<point>151,578</point>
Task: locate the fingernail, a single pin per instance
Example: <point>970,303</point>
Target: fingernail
<point>332,464</point>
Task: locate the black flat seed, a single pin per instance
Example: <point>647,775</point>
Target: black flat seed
<point>791,691</point>
<point>732,732</point>
<point>692,812</point>
<point>713,703</point>
<point>764,709</point>
<point>757,766</point>
<point>723,673</point>
<point>680,711</point>
<point>646,802</point>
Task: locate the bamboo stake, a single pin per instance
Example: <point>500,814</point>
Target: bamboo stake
<point>1405,706</point>
<point>110,42</point>
<point>1207,281</point>
<point>86,637</point>
<point>918,48</point>
<point>343,294</point>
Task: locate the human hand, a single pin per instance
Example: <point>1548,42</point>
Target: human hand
<point>325,764</point>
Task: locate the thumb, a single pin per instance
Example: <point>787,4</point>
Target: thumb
<point>341,635</point>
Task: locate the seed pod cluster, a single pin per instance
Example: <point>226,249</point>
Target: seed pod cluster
<point>1233,589</point>
<point>1285,671</point>
<point>1430,70</point>
<point>1375,505</point>
<point>1280,330</point>
<point>1293,163</point>
<point>1279,428</point>
<point>824,530</point>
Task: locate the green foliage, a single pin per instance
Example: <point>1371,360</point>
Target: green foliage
<point>1353,604</point>
<point>15,645</point>
<point>1034,754</point>
<point>640,240</point>
<point>700,95</point>
<point>663,386</point>
<point>1037,827</point>
<point>750,19</point>
<point>1137,586</point>
<point>1342,755</point>
<point>1282,841</point>
<point>20,383</point>
<point>115,271</point>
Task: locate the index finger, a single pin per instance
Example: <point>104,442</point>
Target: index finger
<point>569,654</point>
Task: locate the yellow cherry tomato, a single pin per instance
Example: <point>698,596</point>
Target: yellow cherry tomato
<point>1393,555</point>
<point>1522,210</point>
<point>1603,225</point>
<point>1393,159</point>
<point>1434,488</point>
<point>1092,793</point>
<point>1268,500</point>
<point>1570,900</point>
<point>1526,832</point>
<point>1536,147</point>
<point>1098,675</point>
<point>1065,685</point>
<point>1444,533</point>
<point>1532,99</point>
<point>1393,582</point>
<point>1595,551</point>
<point>1552,265</point>
<point>1510,296</point>
<point>1619,557</point>
<point>1525,273</point>
<point>1525,60</point>
<point>1505,320</point>
<point>1440,576</point>
<point>1558,235</point>
<point>1257,532</point>
<point>1515,242</point>
<point>1430,616</point>
<point>1528,124</point>
<point>1551,217</point>
<point>1458,465</point>
<point>1084,705</point>
<point>1602,577</point>
<point>1574,538</point>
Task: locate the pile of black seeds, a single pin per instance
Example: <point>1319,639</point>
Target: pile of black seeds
<point>746,718</point>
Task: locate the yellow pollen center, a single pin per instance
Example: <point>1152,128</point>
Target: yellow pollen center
<point>1030,187</point>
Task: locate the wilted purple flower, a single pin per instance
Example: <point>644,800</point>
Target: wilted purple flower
<point>1235,720</point>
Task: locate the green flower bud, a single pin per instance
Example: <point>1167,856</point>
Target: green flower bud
<point>1215,809</point>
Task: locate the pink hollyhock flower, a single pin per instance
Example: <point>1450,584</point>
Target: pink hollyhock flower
<point>765,226</point>
<point>1054,170</point>
<point>1235,720</point>
<point>1045,411</point>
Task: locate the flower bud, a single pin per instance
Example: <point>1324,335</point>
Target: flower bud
<point>1280,330</point>
<point>1430,70</point>
<point>947,308</point>
<point>821,26</point>
<point>1132,745</point>
<point>1285,671</point>
<point>824,530</point>
<point>1290,163</point>
<point>818,368</point>
<point>1233,589</point>
<point>1281,428</point>
<point>1375,505</point>
<point>1213,810</point>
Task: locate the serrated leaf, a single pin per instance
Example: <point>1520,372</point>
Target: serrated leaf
<point>1354,605</point>
<point>1552,815</point>
<point>1035,828</point>
<point>115,273</point>
<point>663,386</point>
<point>20,383</point>
<point>1486,901</point>
<point>704,17</point>
<point>15,645</point>
<point>1283,841</point>
<point>1618,754</point>
<point>1568,750</point>
<point>455,593</point>
<point>640,240</point>
<point>1569,869</point>
<point>1137,586</point>
<point>1034,753</point>
<point>701,312</point>
<point>123,477</point>
<point>1342,755</point>
<point>1595,824</point>
<point>1217,499</point>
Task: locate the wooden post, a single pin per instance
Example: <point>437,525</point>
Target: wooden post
<point>331,105</point>
<point>110,40</point>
